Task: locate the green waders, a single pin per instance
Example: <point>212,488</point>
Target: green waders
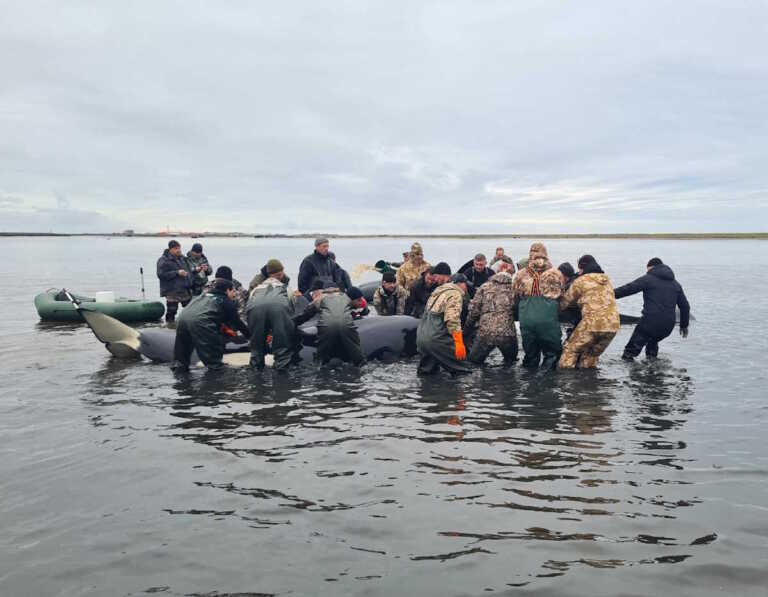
<point>337,335</point>
<point>436,346</point>
<point>198,328</point>
<point>540,329</point>
<point>269,311</point>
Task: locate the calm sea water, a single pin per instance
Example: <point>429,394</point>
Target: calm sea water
<point>639,479</point>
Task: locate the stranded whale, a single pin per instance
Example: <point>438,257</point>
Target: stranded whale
<point>381,338</point>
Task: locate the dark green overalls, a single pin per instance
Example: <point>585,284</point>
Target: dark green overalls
<point>337,335</point>
<point>540,329</point>
<point>436,346</point>
<point>270,311</point>
<point>199,328</point>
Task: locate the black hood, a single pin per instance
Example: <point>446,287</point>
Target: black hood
<point>662,271</point>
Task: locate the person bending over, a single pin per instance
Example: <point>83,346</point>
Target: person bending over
<point>593,293</point>
<point>270,313</point>
<point>200,327</point>
<point>661,294</point>
<point>439,339</point>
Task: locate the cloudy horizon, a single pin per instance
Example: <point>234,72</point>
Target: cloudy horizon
<point>350,117</point>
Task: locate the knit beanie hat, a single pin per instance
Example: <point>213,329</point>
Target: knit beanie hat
<point>442,269</point>
<point>354,293</point>
<point>273,266</point>
<point>388,277</point>
<point>321,241</point>
<point>224,272</point>
<point>223,284</point>
<point>197,248</point>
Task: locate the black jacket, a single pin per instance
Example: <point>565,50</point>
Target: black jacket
<point>168,267</point>
<point>661,294</point>
<point>476,278</point>
<point>319,266</point>
<point>418,295</point>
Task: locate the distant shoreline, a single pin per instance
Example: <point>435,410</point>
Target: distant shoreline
<point>617,236</point>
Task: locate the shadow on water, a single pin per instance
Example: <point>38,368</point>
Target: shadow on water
<point>521,456</point>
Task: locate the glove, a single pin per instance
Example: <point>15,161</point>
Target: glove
<point>227,331</point>
<point>684,332</point>
<point>460,351</point>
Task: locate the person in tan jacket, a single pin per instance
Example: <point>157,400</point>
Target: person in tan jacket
<point>414,266</point>
<point>593,293</point>
<point>537,288</point>
<point>439,338</point>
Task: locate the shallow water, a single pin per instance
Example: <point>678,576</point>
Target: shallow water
<point>639,479</point>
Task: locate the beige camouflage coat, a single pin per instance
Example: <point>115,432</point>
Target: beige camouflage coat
<point>538,278</point>
<point>492,308</point>
<point>593,294</point>
<point>412,269</point>
<point>447,300</point>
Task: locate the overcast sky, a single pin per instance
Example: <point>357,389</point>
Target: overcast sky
<point>509,116</point>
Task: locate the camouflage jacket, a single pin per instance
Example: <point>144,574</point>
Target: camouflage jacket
<point>593,293</point>
<point>390,304</point>
<point>199,279</point>
<point>550,282</point>
<point>241,296</point>
<point>492,308</point>
<point>411,271</point>
<point>447,300</point>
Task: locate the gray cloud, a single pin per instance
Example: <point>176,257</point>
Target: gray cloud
<point>494,117</point>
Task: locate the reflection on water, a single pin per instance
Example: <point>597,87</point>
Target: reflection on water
<point>648,478</point>
<point>512,457</point>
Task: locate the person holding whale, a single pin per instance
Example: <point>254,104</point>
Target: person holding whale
<point>270,313</point>
<point>661,294</point>
<point>200,325</point>
<point>439,338</point>
<point>337,336</point>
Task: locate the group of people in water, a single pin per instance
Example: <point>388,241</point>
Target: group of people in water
<point>463,316</point>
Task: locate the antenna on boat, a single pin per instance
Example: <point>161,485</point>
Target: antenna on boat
<point>141,274</point>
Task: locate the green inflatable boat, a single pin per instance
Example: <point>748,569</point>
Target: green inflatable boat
<point>53,305</point>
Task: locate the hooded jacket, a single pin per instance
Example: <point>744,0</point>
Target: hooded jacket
<point>661,294</point>
<point>448,300</point>
<point>593,294</point>
<point>538,278</point>
<point>412,269</point>
<point>171,282</point>
<point>492,308</point>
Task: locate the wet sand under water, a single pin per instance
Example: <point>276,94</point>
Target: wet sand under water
<point>639,479</point>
